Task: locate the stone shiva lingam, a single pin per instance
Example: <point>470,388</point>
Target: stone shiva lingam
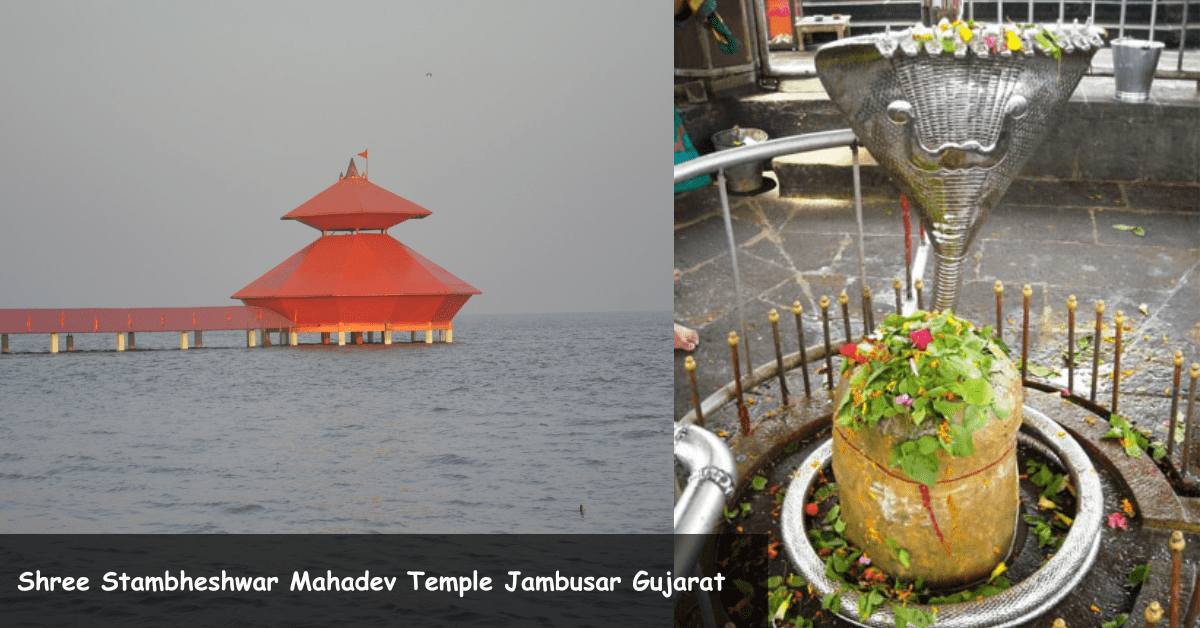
<point>952,112</point>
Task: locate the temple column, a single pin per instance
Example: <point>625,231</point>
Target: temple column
<point>183,343</point>
<point>199,338</point>
<point>324,337</point>
<point>341,338</point>
<point>53,343</point>
<point>251,340</point>
<point>450,333</point>
<point>429,335</point>
<point>3,343</point>
<point>120,342</point>
<point>282,337</point>
<point>293,338</point>
<point>132,345</point>
<point>70,342</point>
<point>370,337</point>
<point>387,339</point>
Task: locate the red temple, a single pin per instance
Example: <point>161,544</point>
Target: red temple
<point>355,277</point>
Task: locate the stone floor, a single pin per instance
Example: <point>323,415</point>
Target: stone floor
<point>1059,238</point>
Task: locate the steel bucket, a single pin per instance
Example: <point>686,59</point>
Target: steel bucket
<point>742,178</point>
<point>1134,62</point>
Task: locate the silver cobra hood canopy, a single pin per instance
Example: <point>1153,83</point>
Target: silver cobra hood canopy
<point>953,112</point>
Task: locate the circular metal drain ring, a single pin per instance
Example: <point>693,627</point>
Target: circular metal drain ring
<point>1027,599</point>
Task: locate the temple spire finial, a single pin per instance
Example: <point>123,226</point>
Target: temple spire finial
<point>352,170</point>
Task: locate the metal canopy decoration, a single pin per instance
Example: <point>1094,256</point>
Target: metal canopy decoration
<point>352,281</point>
<point>953,112</point>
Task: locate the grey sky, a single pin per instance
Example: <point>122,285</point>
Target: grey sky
<point>147,150</point>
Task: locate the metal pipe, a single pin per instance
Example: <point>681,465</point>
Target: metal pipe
<point>908,261</point>
<point>1182,35</point>
<point>1187,429</point>
<point>1096,349</point>
<point>1194,606</point>
<point>690,365</point>
<point>743,413</point>
<point>999,288</point>
<point>1154,15</point>
<point>711,474</point>
<point>828,350</point>
<point>1174,407</point>
<point>868,312</point>
<point>796,310</point>
<point>1071,305</point>
<point>737,275</point>
<point>862,252</point>
<point>1120,32</point>
<point>1026,292</point>
<point>713,162</point>
<point>773,316</point>
<point>1176,544</point>
<point>844,301</point>
<point>1119,319</point>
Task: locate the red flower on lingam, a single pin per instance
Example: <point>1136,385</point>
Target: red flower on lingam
<point>921,338</point>
<point>1117,520</point>
<point>851,351</point>
<point>811,509</point>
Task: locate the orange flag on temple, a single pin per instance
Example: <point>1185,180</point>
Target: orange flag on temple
<point>363,154</point>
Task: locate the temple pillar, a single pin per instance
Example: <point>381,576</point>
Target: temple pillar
<point>251,340</point>
<point>183,343</point>
<point>324,337</point>
<point>282,337</point>
<point>3,343</point>
<point>120,341</point>
<point>132,345</point>
<point>356,337</point>
<point>387,339</point>
<point>199,338</point>
<point>428,335</point>
<point>293,338</point>
<point>450,333</point>
<point>341,338</point>
<point>370,337</point>
<point>53,343</point>
<point>70,342</point>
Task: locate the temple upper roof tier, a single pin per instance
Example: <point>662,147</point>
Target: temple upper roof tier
<point>355,203</point>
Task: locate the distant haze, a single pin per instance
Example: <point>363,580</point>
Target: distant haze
<point>147,150</point>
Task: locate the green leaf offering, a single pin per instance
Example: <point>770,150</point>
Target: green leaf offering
<point>1138,574</point>
<point>758,483</point>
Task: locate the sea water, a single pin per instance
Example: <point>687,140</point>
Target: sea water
<point>510,428</point>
